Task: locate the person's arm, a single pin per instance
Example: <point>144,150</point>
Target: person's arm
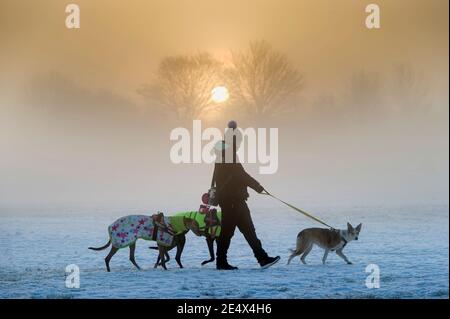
<point>246,179</point>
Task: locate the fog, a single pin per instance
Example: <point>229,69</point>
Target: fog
<point>369,127</point>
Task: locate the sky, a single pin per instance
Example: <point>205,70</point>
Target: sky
<point>75,135</point>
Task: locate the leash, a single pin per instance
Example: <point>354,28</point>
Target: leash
<point>297,209</point>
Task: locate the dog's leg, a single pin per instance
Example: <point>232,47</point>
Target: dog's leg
<point>162,252</point>
<point>132,250</point>
<point>325,255</point>
<point>108,258</point>
<point>300,248</point>
<point>210,243</point>
<point>166,257</point>
<point>341,254</point>
<point>307,251</point>
<point>157,261</point>
<point>180,247</point>
<point>294,253</point>
<point>291,256</point>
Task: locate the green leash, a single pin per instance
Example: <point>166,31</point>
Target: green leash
<point>297,209</point>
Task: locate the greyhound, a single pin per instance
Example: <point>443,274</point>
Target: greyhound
<point>125,231</point>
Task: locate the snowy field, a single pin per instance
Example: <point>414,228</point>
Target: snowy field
<point>410,245</point>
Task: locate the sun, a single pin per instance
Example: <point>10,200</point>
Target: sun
<point>220,94</point>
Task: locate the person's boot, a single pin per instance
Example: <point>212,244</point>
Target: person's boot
<point>224,265</point>
<point>269,261</point>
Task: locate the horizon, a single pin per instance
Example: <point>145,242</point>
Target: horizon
<point>368,126</point>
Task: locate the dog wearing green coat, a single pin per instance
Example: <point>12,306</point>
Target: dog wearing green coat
<point>168,232</point>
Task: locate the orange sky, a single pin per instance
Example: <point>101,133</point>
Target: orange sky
<point>119,44</point>
<point>70,133</point>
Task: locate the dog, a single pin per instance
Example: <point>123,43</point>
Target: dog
<point>125,231</point>
<point>211,221</point>
<point>328,239</point>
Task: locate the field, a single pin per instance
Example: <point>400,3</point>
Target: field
<point>409,244</point>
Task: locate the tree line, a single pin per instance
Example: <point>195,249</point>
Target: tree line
<point>260,80</point>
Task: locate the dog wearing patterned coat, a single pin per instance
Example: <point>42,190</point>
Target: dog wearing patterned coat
<point>168,232</point>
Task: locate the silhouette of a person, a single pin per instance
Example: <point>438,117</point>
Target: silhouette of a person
<point>231,186</point>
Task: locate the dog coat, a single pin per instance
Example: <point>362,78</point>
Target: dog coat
<point>200,218</point>
<point>126,230</point>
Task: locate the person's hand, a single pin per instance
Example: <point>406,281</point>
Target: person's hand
<point>260,189</point>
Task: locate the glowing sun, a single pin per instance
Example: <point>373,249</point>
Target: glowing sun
<point>220,94</point>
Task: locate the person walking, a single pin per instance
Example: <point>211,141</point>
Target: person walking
<point>231,182</point>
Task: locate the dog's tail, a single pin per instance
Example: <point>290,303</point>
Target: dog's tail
<point>101,248</point>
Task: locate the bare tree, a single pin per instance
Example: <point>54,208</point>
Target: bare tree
<point>262,78</point>
<point>365,96</point>
<point>183,84</point>
<point>408,90</point>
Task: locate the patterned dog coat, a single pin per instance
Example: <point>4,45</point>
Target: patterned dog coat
<point>126,230</point>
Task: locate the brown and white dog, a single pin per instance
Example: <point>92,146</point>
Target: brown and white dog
<point>328,239</point>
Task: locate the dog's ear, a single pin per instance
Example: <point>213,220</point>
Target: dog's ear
<point>349,227</point>
<point>358,228</point>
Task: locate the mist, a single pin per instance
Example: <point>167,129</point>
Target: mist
<point>368,128</point>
